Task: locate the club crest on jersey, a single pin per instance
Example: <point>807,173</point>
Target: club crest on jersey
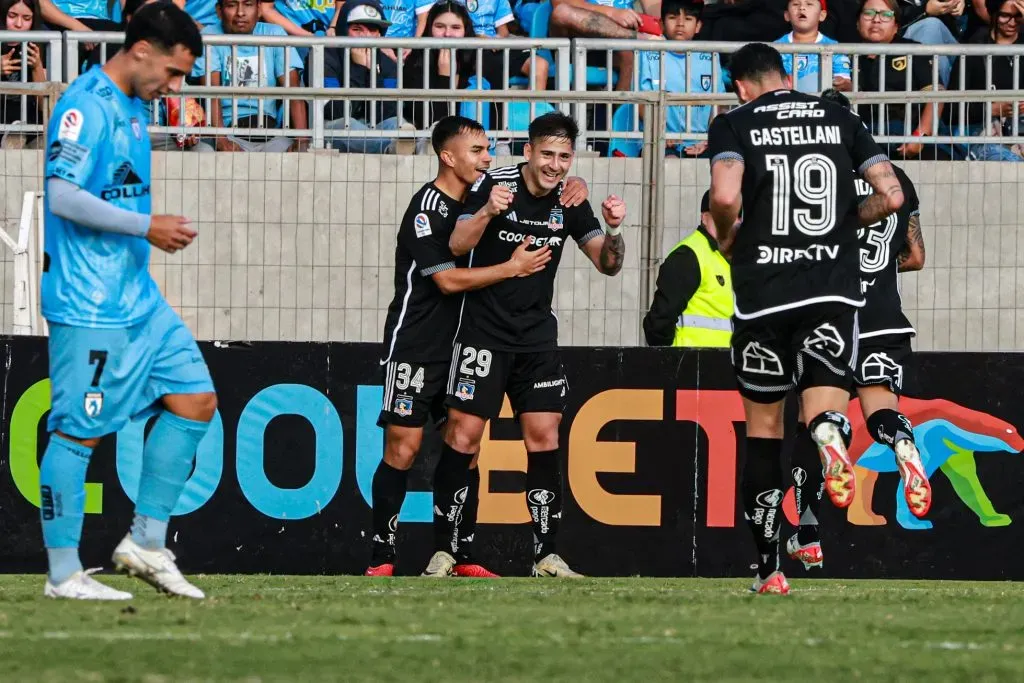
<point>705,82</point>
<point>421,224</point>
<point>801,63</point>
<point>403,406</point>
<point>70,125</point>
<point>721,280</point>
<point>136,128</point>
<point>93,403</point>
<point>556,221</point>
<point>465,389</point>
<point>472,5</point>
<point>899,63</point>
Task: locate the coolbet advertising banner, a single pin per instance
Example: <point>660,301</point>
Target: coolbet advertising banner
<point>651,448</point>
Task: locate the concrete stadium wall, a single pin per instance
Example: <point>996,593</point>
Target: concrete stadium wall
<point>301,247</point>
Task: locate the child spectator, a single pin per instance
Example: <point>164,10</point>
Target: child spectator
<point>805,16</point>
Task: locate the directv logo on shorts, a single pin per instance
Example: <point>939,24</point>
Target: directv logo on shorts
<point>403,406</point>
<point>465,390</point>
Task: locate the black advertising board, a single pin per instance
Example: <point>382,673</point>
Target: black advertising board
<point>651,448</point>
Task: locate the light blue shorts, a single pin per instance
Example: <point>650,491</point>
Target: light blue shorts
<point>103,378</point>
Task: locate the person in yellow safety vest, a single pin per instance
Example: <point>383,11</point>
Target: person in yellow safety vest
<point>692,306</point>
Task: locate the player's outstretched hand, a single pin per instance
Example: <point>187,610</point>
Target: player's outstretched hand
<point>575,191</point>
<point>614,211</point>
<point>170,233</point>
<point>525,262</point>
<point>500,200</point>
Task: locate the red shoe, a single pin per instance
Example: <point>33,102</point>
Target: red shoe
<point>840,481</point>
<point>385,569</point>
<point>473,571</point>
<point>809,554</point>
<point>916,488</point>
<point>775,584</point>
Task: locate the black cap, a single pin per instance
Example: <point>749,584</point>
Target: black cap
<point>705,202</point>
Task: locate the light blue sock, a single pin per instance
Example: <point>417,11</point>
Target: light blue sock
<point>167,461</point>
<point>62,493</point>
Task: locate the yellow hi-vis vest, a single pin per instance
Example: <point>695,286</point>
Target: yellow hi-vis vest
<point>707,320</point>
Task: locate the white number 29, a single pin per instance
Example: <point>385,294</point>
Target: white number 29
<point>482,359</point>
<point>813,180</point>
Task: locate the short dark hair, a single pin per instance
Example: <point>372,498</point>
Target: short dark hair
<point>164,25</point>
<point>835,97</point>
<point>754,61</point>
<point>689,8</point>
<point>451,127</point>
<point>994,7</point>
<point>554,124</point>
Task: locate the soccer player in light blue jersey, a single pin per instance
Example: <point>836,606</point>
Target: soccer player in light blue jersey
<point>117,350</point>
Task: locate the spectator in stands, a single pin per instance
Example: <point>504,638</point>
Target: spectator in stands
<point>879,23</point>
<point>603,19</point>
<point>805,16</point>
<point>444,20</point>
<point>933,22</point>
<point>1005,29</point>
<point>20,63</point>
<point>301,17</point>
<point>203,12</point>
<point>280,66</point>
<point>680,20</point>
<point>364,19</point>
<point>491,18</point>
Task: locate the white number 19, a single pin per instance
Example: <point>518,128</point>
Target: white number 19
<point>813,181</point>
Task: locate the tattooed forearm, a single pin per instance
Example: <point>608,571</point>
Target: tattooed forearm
<point>888,196</point>
<point>613,253</point>
<point>911,256</point>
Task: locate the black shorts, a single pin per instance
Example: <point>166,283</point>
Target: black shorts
<point>881,361</point>
<point>534,381</point>
<point>413,393</point>
<point>812,346</point>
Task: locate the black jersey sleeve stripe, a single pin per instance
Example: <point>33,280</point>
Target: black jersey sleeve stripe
<point>877,159</point>
<point>447,265</point>
<point>589,236</point>
<point>725,156</point>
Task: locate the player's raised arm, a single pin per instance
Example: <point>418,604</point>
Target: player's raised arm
<point>486,200</point>
<point>888,196</point>
<point>606,249</point>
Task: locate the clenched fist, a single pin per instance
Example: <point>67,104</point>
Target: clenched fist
<point>170,233</point>
<point>614,211</point>
<point>500,200</point>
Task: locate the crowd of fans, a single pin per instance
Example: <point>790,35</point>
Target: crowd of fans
<point>929,22</point>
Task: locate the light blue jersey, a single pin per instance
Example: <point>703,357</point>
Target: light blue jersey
<point>98,279</point>
<point>702,80</point>
<point>313,15</point>
<point>402,15</point>
<point>203,12</point>
<point>248,73</point>
<point>86,9</point>
<point>488,15</point>
<point>618,4</point>
<point>806,77</point>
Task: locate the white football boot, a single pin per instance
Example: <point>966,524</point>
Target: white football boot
<point>155,567</point>
<point>81,586</point>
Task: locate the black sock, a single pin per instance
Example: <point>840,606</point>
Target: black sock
<point>388,495</point>
<point>887,426</point>
<point>450,491</point>
<point>544,499</point>
<point>465,530</point>
<point>762,499</point>
<point>808,484</point>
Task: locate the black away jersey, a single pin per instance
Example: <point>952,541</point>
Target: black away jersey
<point>515,314</point>
<point>421,320</point>
<point>797,245</point>
<point>879,279</point>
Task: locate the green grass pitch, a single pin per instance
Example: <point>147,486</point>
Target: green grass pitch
<point>283,628</point>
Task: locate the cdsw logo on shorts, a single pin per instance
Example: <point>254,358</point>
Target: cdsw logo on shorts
<point>826,338</point>
<point>815,252</point>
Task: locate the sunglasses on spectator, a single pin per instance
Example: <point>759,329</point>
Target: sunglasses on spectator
<point>883,16</point>
<point>1009,16</point>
